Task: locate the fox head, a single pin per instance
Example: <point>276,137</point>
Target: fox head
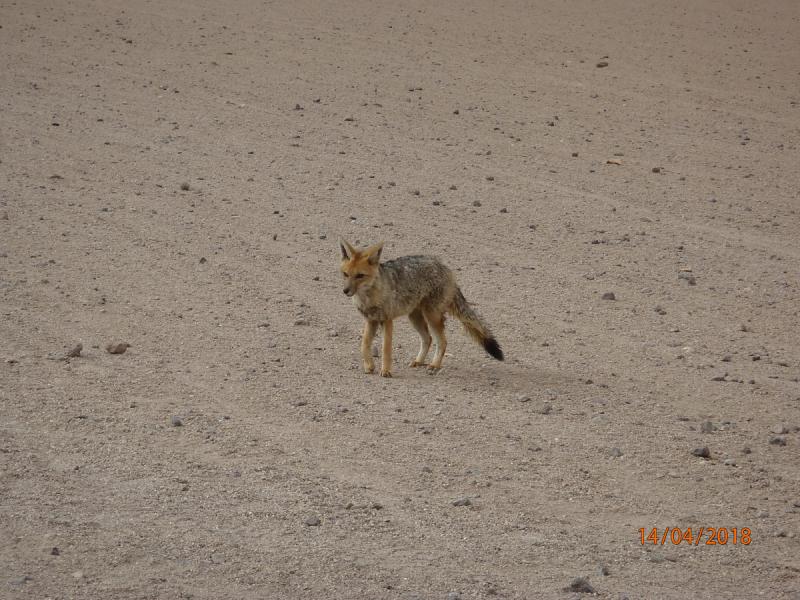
<point>359,268</point>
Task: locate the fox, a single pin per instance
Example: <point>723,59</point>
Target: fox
<point>420,287</point>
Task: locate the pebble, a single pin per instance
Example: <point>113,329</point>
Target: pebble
<point>176,422</point>
<point>534,447</point>
<point>117,347</point>
<point>702,452</point>
<point>77,575</point>
<point>333,333</point>
<point>21,581</point>
<point>75,351</point>
<point>580,585</point>
<point>730,463</point>
<point>349,118</point>
<point>203,260</point>
<point>453,187</point>
<point>741,327</point>
<point>462,502</point>
<point>781,533</point>
<point>615,452</point>
<point>217,559</point>
<point>707,427</point>
<point>657,559</point>
<point>688,277</point>
<point>597,420</point>
<point>746,450</point>
<point>603,571</point>
<point>608,296</point>
<point>659,309</point>
<point>55,552</point>
<point>524,398</point>
<point>778,429</point>
<point>543,409</point>
<point>777,440</point>
<point>313,521</point>
<point>455,112</point>
<point>476,203</point>
<point>302,322</point>
<point>726,358</point>
<point>454,595</point>
<point>602,64</point>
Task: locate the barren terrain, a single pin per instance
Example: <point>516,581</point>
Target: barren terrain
<point>175,175</point>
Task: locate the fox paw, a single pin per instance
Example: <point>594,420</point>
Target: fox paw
<point>433,367</point>
<point>386,373</point>
<point>415,363</point>
<point>369,368</point>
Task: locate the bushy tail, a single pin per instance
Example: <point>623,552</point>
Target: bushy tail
<point>474,327</point>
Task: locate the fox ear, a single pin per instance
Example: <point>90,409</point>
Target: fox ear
<point>374,254</point>
<point>347,250</point>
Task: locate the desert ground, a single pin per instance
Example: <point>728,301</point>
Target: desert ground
<point>616,187</point>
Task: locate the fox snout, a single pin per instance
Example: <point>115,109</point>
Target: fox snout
<point>348,292</point>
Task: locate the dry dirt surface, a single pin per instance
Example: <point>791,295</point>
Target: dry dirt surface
<point>616,186</point>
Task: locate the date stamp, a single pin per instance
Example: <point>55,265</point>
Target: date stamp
<point>712,536</point>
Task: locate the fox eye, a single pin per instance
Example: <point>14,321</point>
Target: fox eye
<point>360,276</point>
<point>344,274</point>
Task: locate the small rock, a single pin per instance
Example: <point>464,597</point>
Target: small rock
<point>185,186</point>
<point>762,514</point>
<point>176,422</point>
<point>707,427</point>
<point>77,575</point>
<point>302,322</point>
<point>524,398</point>
<point>688,277</point>
<point>203,260</point>
<point>726,358</point>
<point>580,585</point>
<point>602,64</point>
<point>777,440</point>
<point>702,452</point>
<point>75,351</point>
<point>21,581</point>
<point>504,210</point>
<point>598,420</point>
<point>730,463</point>
<point>544,409</point>
<point>333,333</point>
<point>313,521</point>
<point>656,169</point>
<point>741,327</point>
<point>658,308</point>
<point>454,595</point>
<point>603,571</point>
<point>778,429</point>
<point>455,112</point>
<point>781,533</point>
<point>217,558</point>
<point>55,552</point>
<point>615,452</point>
<point>718,378</point>
<point>608,296</point>
<point>746,450</point>
<point>349,118</point>
<point>462,502</point>
<point>117,347</point>
<point>453,187</point>
<point>476,203</point>
<point>657,559</point>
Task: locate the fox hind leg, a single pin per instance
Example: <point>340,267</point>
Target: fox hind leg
<point>435,321</point>
<point>370,329</point>
<point>419,324</point>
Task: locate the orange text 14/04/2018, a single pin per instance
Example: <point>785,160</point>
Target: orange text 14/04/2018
<point>713,536</point>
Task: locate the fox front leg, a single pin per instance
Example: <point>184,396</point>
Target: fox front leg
<point>370,330</point>
<point>386,357</point>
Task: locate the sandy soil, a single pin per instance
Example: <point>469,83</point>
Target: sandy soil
<point>176,175</point>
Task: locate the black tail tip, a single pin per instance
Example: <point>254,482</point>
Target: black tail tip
<point>493,348</point>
